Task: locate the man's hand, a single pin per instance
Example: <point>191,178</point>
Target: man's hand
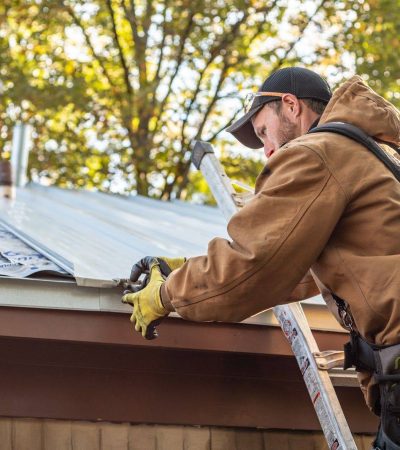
<point>148,309</point>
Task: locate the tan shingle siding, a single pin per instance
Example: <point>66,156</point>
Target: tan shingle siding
<point>37,434</point>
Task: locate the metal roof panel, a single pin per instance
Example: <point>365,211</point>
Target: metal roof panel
<point>103,235</point>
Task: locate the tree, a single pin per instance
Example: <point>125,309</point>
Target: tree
<point>152,76</point>
<point>118,89</point>
<point>374,42</point>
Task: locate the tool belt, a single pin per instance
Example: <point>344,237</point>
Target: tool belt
<point>383,361</point>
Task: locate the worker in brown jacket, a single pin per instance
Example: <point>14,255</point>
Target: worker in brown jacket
<point>325,218</point>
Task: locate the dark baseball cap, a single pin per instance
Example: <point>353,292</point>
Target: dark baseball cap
<point>303,83</point>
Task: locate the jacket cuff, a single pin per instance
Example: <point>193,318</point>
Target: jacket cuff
<point>165,299</point>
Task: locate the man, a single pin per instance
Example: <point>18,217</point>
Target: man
<point>323,202</point>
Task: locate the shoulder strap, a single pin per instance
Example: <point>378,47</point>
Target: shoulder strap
<point>355,133</point>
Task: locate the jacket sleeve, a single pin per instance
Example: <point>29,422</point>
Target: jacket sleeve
<point>305,289</point>
<point>275,239</point>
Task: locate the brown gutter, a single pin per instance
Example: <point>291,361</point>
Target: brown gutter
<point>115,328</point>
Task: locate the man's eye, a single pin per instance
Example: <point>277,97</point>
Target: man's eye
<point>261,134</point>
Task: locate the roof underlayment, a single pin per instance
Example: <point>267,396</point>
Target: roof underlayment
<point>18,259</point>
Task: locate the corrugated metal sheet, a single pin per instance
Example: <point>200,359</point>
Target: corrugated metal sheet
<point>102,235</point>
<point>36,434</point>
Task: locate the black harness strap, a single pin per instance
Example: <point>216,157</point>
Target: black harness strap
<point>382,361</point>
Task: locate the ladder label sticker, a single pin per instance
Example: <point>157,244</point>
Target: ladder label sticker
<point>288,329</point>
<point>335,445</point>
<point>304,365</point>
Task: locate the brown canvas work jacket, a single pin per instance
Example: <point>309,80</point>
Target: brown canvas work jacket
<point>323,202</point>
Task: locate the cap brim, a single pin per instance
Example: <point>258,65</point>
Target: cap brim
<point>243,129</point>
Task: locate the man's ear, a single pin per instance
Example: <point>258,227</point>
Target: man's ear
<point>291,104</point>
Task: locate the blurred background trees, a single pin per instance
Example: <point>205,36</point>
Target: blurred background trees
<point>117,89</point>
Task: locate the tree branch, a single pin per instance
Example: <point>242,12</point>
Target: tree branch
<point>139,42</point>
<point>99,60</point>
<point>194,96</point>
<point>156,78</point>
<point>120,52</point>
<point>229,37</point>
<point>221,80</point>
<point>261,24</point>
<point>227,124</point>
<point>147,20</point>
<point>301,30</point>
<point>131,16</point>
<point>181,49</point>
<point>241,58</point>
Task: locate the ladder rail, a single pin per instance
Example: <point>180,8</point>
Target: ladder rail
<point>290,317</point>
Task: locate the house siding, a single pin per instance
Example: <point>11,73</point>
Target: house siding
<point>41,434</point>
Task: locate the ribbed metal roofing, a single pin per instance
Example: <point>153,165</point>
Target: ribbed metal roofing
<point>103,235</point>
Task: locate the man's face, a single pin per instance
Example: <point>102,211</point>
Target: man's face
<point>273,130</point>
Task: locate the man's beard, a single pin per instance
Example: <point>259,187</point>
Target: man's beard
<point>287,131</point>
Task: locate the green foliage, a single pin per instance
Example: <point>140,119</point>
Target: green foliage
<point>374,41</point>
<point>118,89</point>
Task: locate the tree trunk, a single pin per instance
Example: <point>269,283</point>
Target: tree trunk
<point>142,185</point>
<point>183,181</point>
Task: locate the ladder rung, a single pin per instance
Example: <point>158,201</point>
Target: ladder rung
<point>343,378</point>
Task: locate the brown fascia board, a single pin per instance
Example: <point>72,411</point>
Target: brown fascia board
<point>122,383</point>
<point>115,328</point>
<point>175,333</point>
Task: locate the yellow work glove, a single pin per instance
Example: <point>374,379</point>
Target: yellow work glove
<point>148,309</point>
<point>147,306</point>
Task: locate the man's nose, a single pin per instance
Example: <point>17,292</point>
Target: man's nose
<point>268,148</point>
